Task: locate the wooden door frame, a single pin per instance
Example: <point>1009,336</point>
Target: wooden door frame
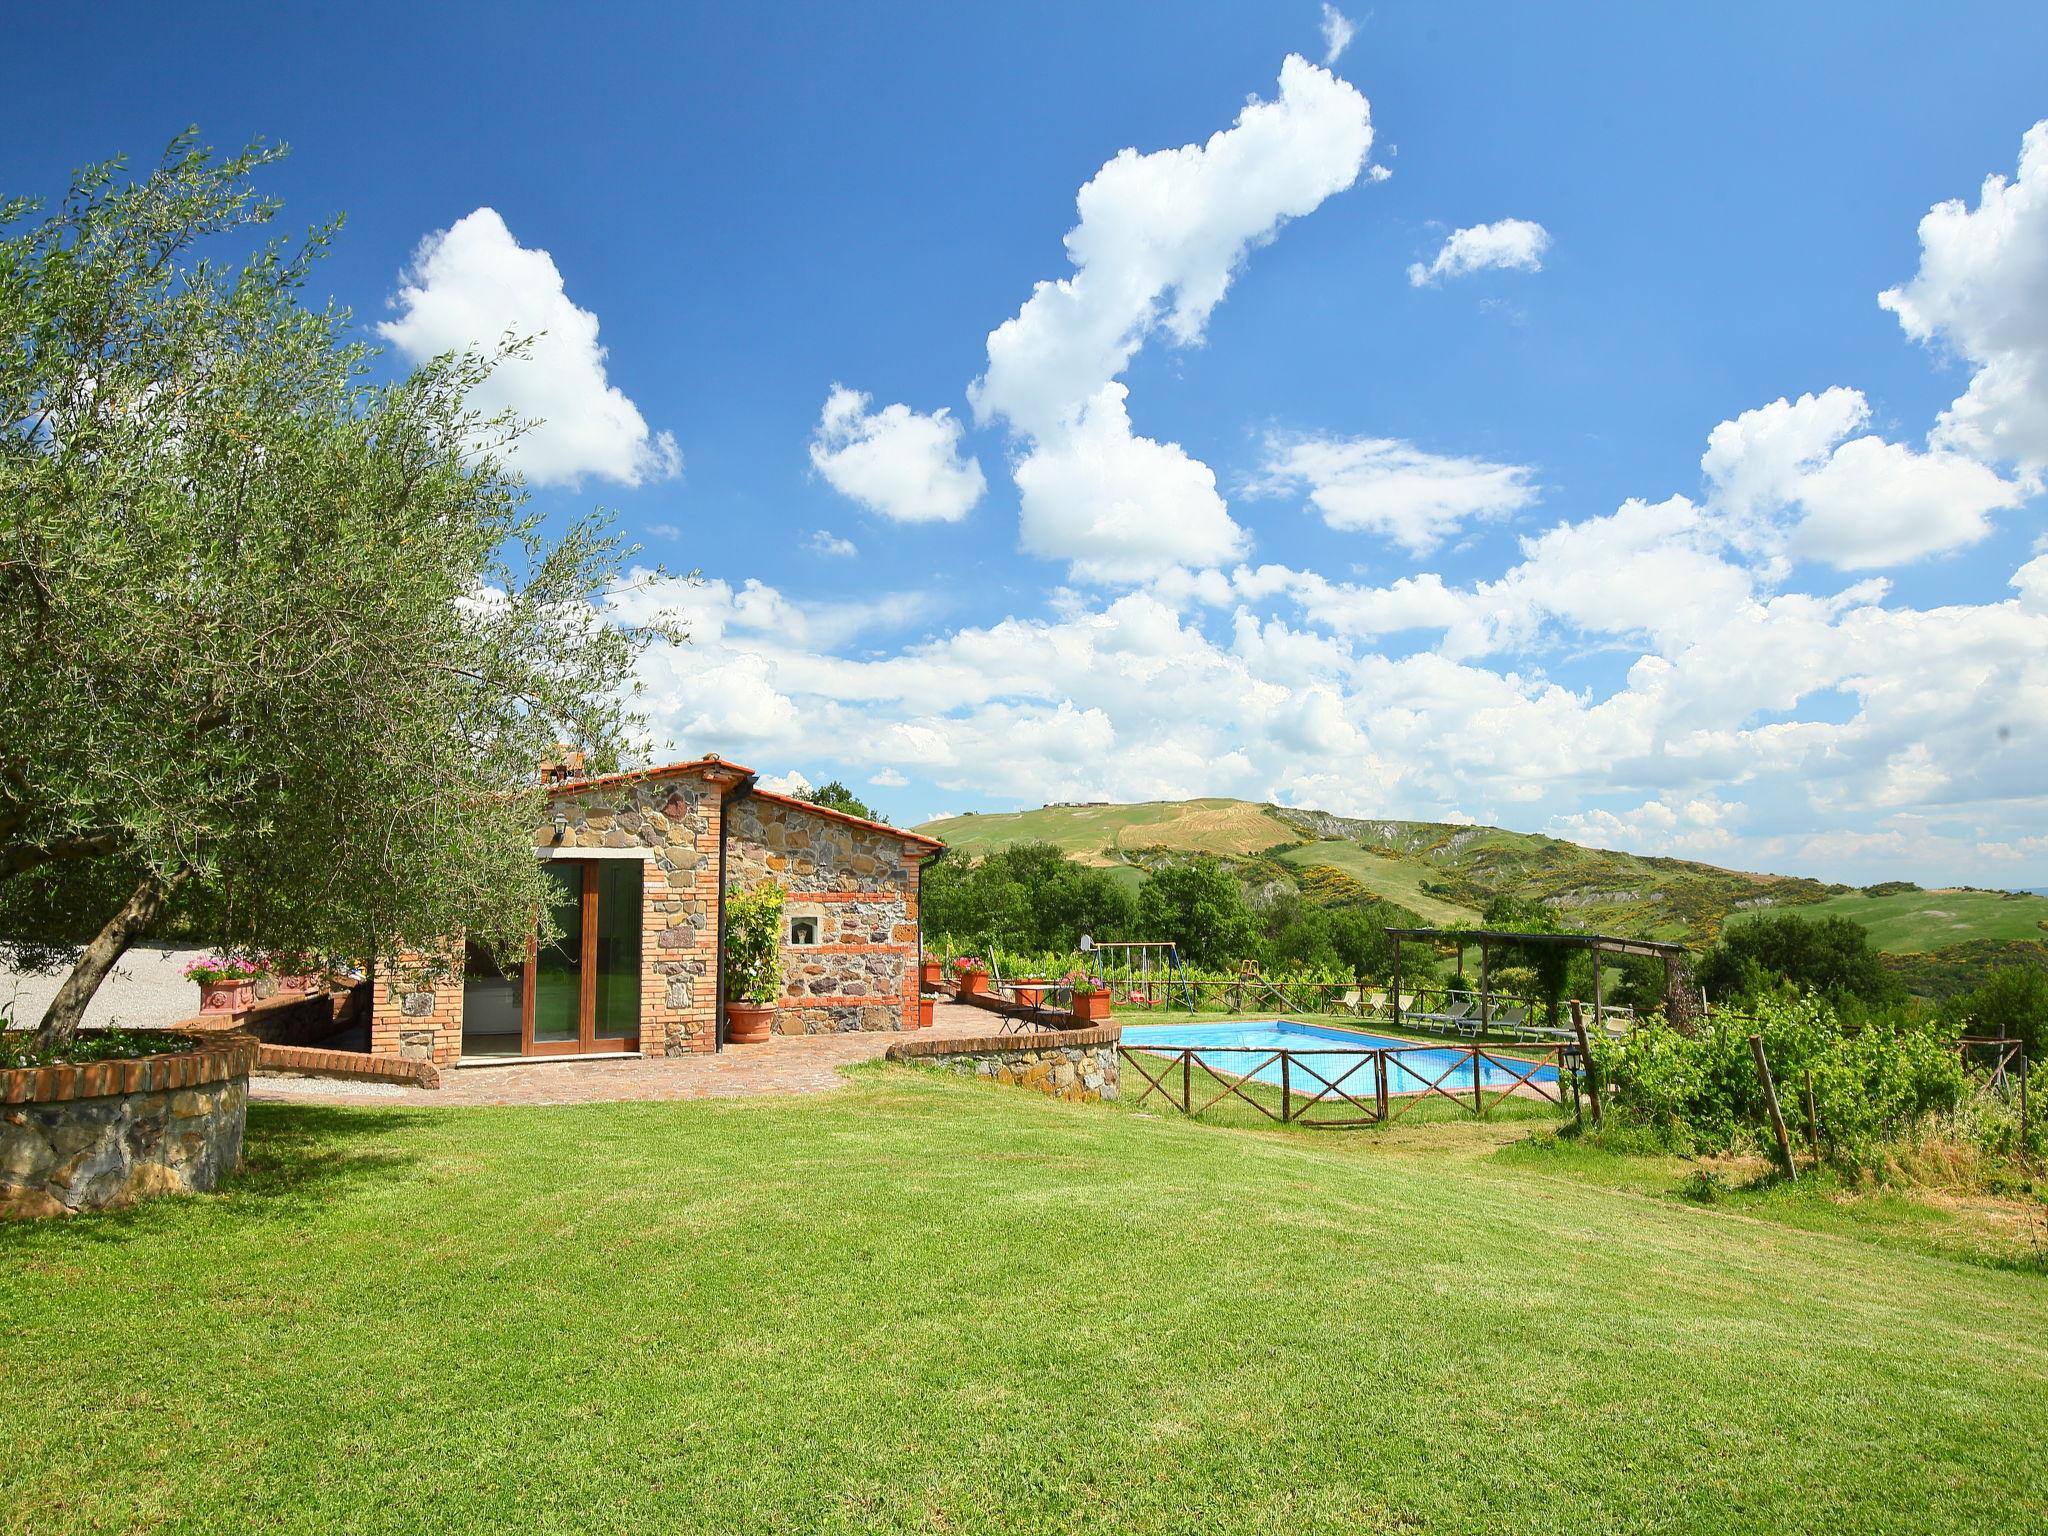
<point>586,1041</point>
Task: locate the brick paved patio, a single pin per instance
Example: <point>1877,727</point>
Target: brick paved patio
<point>787,1064</point>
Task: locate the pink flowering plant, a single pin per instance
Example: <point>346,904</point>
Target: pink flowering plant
<point>1081,984</point>
<point>963,964</point>
<point>221,970</point>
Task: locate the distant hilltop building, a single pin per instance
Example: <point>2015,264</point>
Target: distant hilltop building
<point>1069,805</point>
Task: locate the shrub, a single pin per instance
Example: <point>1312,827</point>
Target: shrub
<point>2012,1003</point>
<point>1870,1084</point>
<point>753,944</point>
<point>1829,955</point>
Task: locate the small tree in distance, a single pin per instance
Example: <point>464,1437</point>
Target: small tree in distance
<point>835,796</point>
<point>281,646</point>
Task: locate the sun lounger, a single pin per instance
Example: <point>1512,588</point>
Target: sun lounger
<point>1514,1020</point>
<point>1447,1019</point>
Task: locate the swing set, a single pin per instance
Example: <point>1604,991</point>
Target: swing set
<point>1144,973</point>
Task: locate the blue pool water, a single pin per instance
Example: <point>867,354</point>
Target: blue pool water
<point>1342,1064</point>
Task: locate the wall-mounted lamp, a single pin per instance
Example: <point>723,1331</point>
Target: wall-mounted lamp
<point>561,826</point>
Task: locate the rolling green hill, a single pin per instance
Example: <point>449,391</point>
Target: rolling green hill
<point>1106,834</point>
<point>1447,873</point>
<point>1915,922</point>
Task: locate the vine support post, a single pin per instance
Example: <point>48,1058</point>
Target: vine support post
<point>1763,1073</point>
<point>2023,1103</point>
<point>1586,1059</point>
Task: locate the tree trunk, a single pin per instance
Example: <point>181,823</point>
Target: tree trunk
<point>67,1008</point>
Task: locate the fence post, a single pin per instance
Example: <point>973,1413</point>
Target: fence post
<point>1812,1118</point>
<point>1586,1058</point>
<point>1478,1106</point>
<point>1285,1095</point>
<point>1763,1072</point>
<point>1187,1082</point>
<point>1379,1083</point>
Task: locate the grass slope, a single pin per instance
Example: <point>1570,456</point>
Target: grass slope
<point>930,1304</point>
<point>1090,832</point>
<point>1916,922</point>
<point>1395,879</point>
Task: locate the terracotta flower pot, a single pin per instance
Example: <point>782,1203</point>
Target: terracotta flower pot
<point>924,1013</point>
<point>931,973</point>
<point>1091,1007</point>
<point>1031,989</point>
<point>311,982</point>
<point>973,983</point>
<point>749,1023</point>
<point>226,996</point>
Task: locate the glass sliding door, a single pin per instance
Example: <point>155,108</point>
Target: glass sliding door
<point>615,961</point>
<point>558,969</point>
<point>493,1005</point>
<point>580,991</point>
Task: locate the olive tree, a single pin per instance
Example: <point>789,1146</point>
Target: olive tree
<point>282,645</point>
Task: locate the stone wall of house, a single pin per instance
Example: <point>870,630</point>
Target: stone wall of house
<point>858,886</point>
<point>1080,1065</point>
<point>416,1008</point>
<point>109,1133</point>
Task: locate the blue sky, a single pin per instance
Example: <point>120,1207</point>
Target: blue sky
<point>1246,509</point>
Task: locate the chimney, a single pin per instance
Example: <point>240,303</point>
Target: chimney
<point>562,767</point>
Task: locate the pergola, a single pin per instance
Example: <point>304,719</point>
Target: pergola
<point>1677,994</point>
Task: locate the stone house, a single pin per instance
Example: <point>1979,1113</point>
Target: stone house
<point>640,863</point>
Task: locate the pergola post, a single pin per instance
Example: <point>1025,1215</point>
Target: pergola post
<point>1395,999</point>
<point>1599,1016</point>
<point>1485,990</point>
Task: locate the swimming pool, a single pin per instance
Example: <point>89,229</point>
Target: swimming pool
<point>1332,1054</point>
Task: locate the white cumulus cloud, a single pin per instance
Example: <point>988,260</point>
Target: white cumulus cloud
<point>472,285</point>
<point>1161,237</point>
<point>1982,289</point>
<point>1514,244</point>
<point>1392,488</point>
<point>901,463</point>
<point>1120,507</point>
<point>1790,483</point>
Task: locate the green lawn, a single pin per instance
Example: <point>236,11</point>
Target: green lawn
<point>929,1304</point>
<point>1913,922</point>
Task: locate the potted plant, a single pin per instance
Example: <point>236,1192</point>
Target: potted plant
<point>1091,998</point>
<point>930,972</point>
<point>227,983</point>
<point>924,1012</point>
<point>297,971</point>
<point>1031,990</point>
<point>753,962</point>
<point>971,975</point>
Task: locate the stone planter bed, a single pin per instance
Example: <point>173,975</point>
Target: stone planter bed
<point>1077,1064</point>
<point>103,1134</point>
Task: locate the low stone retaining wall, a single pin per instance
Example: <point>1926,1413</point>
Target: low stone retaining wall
<point>351,1066</point>
<point>290,1026</point>
<point>1077,1064</point>
<point>109,1133</point>
<point>291,1018</point>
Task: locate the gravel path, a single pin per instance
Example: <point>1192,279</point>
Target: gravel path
<point>145,991</point>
